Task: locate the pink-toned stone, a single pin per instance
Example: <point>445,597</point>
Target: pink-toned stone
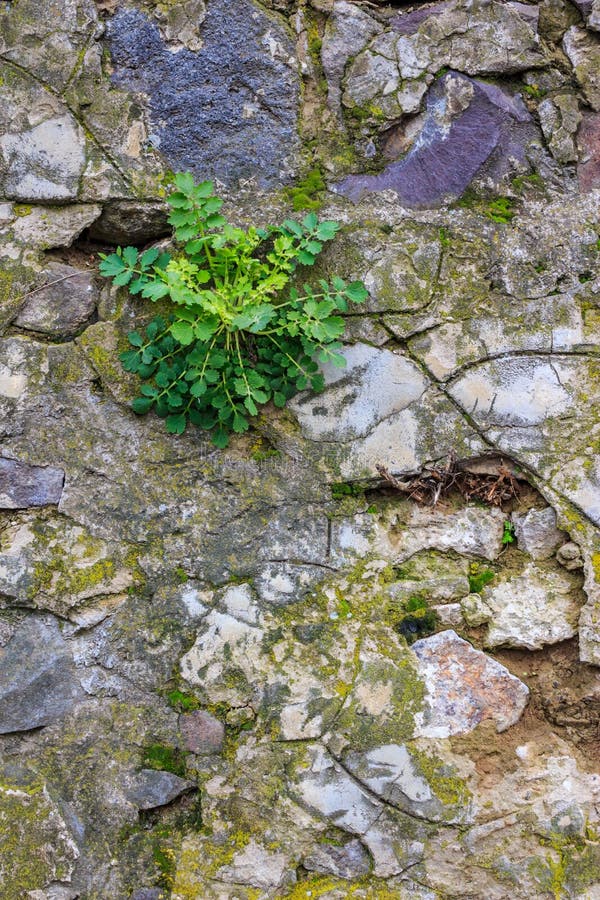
<point>464,687</point>
<point>201,732</point>
<point>588,142</point>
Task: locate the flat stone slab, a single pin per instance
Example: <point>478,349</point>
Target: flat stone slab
<point>37,681</point>
<point>466,121</point>
<point>63,306</point>
<point>22,485</point>
<point>152,788</point>
<point>464,687</point>
<point>227,111</point>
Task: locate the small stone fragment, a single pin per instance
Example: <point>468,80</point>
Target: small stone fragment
<point>63,307</point>
<point>464,687</point>
<point>583,50</point>
<point>349,861</point>
<point>530,610</point>
<point>201,732</point>
<point>569,556</point>
<point>151,788</point>
<point>22,485</point>
<point>537,534</point>
<point>131,222</point>
<point>588,143</point>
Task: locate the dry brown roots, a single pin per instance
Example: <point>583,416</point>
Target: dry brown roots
<point>432,484</point>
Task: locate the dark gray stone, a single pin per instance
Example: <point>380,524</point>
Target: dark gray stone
<point>408,22</point>
<point>147,894</point>
<point>349,861</point>
<point>22,486</point>
<point>37,678</point>
<point>131,222</point>
<point>201,732</point>
<point>227,111</point>
<point>467,124</point>
<point>152,788</point>
<point>63,307</point>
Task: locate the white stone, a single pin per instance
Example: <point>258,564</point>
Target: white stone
<point>46,162</point>
<point>537,534</point>
<point>531,610</point>
<point>239,603</point>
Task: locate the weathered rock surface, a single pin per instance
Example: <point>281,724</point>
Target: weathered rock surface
<point>234,621</point>
<point>23,486</point>
<point>466,122</point>
<point>38,678</point>
<point>463,688</point>
<point>230,108</point>
<point>532,609</point>
<point>63,307</point>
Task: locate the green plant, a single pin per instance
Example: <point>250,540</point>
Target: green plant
<point>239,332</point>
<point>165,759</point>
<point>508,533</point>
<point>478,578</point>
<point>308,192</point>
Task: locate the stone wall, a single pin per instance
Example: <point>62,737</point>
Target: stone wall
<point>270,671</point>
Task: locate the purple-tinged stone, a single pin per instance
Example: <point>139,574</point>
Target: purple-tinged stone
<point>588,142</point>
<point>22,486</point>
<point>465,122</point>
<point>201,732</point>
<point>408,22</point>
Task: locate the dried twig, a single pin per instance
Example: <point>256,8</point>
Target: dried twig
<point>432,484</point>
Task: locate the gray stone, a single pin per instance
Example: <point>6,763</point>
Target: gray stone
<point>43,163</point>
<point>351,860</point>
<point>22,486</point>
<point>147,894</point>
<point>201,733</point>
<point>569,556</point>
<point>347,30</point>
<point>588,144</point>
<point>537,534</point>
<point>36,845</point>
<point>37,679</point>
<point>227,111</point>
<point>464,687</point>
<point>530,610</point>
<point>131,222</point>
<point>62,308</point>
<point>583,50</point>
<point>151,788</point>
<point>354,404</point>
<point>466,123</point>
<point>50,563</point>
<point>560,118</point>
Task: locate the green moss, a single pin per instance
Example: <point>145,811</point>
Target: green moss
<point>571,867</point>
<point>478,578</point>
<point>164,758</point>
<point>450,790</point>
<point>21,209</point>
<point>501,210</point>
<point>308,191</point>
<point>182,701</point>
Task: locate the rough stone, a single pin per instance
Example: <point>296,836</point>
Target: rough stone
<point>347,30</point>
<point>583,50</point>
<point>530,610</point>
<point>36,845</point>
<point>464,687</point>
<point>23,486</point>
<point>560,118</point>
<point>569,556</point>
<point>201,732</point>
<point>49,563</point>
<point>218,112</point>
<point>466,122</point>
<point>44,163</point>
<point>62,308</point>
<point>588,143</point>
<point>348,861</point>
<point>537,534</point>
<point>131,222</point>
<point>38,683</point>
<point>150,788</point>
